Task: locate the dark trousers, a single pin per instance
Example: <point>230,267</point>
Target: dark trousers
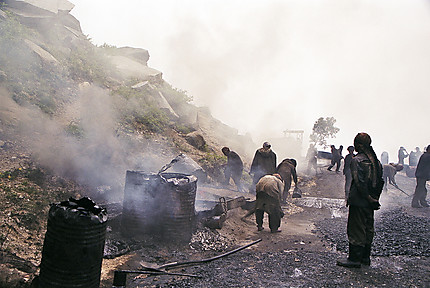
<point>236,176</point>
<point>335,162</point>
<point>360,227</point>
<point>274,219</point>
<point>420,191</point>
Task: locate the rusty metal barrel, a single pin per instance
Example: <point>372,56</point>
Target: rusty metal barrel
<point>73,247</point>
<point>161,205</point>
<point>141,207</point>
<point>179,197</point>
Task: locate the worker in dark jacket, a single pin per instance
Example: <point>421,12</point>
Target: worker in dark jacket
<point>233,169</point>
<point>422,174</point>
<point>389,173</point>
<point>268,192</point>
<point>363,199</point>
<point>347,170</point>
<point>402,154</point>
<point>287,169</point>
<point>264,163</point>
<point>336,157</point>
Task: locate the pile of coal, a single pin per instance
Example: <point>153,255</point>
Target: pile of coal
<point>115,248</point>
<point>209,240</point>
<point>396,233</point>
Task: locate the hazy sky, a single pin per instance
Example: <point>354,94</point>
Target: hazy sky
<point>266,66</point>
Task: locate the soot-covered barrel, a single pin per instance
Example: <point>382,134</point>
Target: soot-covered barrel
<point>141,207</point>
<point>159,204</point>
<point>73,248</point>
<point>179,193</point>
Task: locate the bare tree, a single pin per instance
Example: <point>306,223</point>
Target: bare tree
<point>323,129</point>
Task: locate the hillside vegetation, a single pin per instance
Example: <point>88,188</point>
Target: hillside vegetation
<point>74,117</point>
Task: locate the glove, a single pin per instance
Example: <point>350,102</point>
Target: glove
<point>373,203</point>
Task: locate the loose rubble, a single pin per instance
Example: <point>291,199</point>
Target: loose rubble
<point>396,233</point>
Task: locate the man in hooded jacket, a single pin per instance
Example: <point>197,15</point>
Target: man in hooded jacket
<point>422,174</point>
<point>264,163</point>
<point>363,199</point>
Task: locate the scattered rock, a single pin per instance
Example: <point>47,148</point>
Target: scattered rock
<point>196,140</point>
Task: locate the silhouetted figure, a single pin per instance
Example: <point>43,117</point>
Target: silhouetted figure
<point>389,173</point>
<point>384,158</point>
<point>347,170</point>
<point>366,187</point>
<point>335,158</point>
<point>233,169</point>
<point>268,199</point>
<point>264,163</point>
<point>414,156</point>
<point>402,154</point>
<point>287,169</point>
<point>419,153</point>
<point>422,174</point>
<point>311,157</point>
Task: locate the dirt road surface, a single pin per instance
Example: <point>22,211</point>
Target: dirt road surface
<point>304,254</point>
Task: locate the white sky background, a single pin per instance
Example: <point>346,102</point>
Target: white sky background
<point>267,66</point>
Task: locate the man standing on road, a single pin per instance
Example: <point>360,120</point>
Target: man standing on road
<point>422,174</point>
<point>402,154</point>
<point>366,187</point>
<point>269,189</point>
<point>264,163</point>
<point>311,157</point>
<point>233,169</point>
<point>336,157</point>
<point>347,170</point>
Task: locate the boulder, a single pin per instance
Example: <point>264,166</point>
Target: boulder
<point>44,55</point>
<point>3,76</point>
<point>130,68</point>
<point>2,14</point>
<point>184,164</point>
<point>196,140</point>
<point>137,54</point>
<point>52,6</point>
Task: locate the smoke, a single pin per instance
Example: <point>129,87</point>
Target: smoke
<point>264,67</point>
<point>100,156</point>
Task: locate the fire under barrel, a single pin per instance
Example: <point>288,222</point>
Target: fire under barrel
<point>159,204</point>
<point>73,248</point>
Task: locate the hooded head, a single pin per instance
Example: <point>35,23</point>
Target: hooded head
<point>266,145</point>
<point>362,141</point>
<point>225,150</point>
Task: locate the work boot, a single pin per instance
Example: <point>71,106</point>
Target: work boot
<point>415,204</point>
<point>365,258</point>
<point>354,258</point>
<point>260,228</point>
<point>424,203</point>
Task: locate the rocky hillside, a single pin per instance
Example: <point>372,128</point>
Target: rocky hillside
<point>75,116</point>
<point>91,112</point>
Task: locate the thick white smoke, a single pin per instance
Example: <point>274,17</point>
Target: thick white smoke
<point>264,67</point>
